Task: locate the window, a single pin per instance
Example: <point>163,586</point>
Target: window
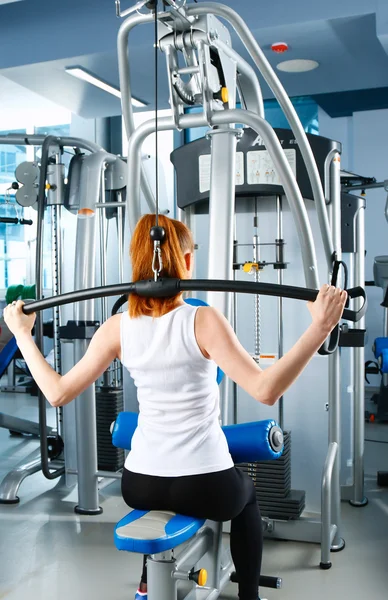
<point>17,242</point>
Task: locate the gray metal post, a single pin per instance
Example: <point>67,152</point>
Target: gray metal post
<point>84,277</point>
<point>160,583</point>
<point>120,236</point>
<point>326,516</point>
<point>334,361</point>
<point>103,231</point>
<point>221,229</point>
<point>358,498</point>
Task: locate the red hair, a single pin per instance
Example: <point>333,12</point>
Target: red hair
<point>179,240</point>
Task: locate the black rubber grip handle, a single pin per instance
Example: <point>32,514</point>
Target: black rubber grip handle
<point>356,315</point>
<point>331,344</point>
<point>13,220</point>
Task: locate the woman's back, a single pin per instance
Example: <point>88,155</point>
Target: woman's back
<point>178,432</point>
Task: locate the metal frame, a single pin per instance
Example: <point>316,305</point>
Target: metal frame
<point>354,493</point>
<point>205,550</point>
<point>224,154</point>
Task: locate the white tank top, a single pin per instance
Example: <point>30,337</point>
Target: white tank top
<point>179,431</point>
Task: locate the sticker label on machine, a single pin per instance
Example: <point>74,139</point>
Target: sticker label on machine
<point>204,171</point>
<point>260,167</point>
<point>265,360</point>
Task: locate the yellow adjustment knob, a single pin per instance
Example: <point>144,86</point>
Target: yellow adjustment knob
<point>202,577</point>
<point>48,186</point>
<point>249,267</point>
<point>224,95</point>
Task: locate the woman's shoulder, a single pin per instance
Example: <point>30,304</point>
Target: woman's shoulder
<point>209,318</point>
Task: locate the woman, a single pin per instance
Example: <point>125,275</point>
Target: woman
<point>179,459</point>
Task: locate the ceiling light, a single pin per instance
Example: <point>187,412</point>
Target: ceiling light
<point>299,65</point>
<point>89,78</point>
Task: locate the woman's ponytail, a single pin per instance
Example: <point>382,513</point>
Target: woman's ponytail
<point>178,241</point>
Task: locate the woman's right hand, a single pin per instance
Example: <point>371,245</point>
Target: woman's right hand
<point>328,307</point>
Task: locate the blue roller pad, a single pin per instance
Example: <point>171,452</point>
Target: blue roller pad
<point>7,354</point>
<point>123,430</point>
<point>381,343</point>
<point>384,360</point>
<point>197,302</point>
<point>247,441</point>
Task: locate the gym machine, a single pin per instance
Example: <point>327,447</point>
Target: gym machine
<point>211,75</point>
<point>43,186</point>
<point>380,279</point>
<point>353,205</point>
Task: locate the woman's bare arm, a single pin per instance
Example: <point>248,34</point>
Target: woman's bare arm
<point>62,389</point>
<point>217,339</point>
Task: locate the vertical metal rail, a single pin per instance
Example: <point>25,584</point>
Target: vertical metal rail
<point>118,371</point>
<point>256,259</point>
<point>56,261</point>
<point>221,230</point>
<point>102,222</point>
<point>235,306</point>
<point>358,498</point>
<point>48,142</point>
<point>120,234</point>
<point>326,516</point>
<point>334,361</point>
<point>279,215</point>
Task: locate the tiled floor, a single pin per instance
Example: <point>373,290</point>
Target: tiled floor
<point>46,551</point>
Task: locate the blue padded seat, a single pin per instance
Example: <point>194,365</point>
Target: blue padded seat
<point>151,532</point>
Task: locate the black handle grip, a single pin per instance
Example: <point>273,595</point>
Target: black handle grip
<point>356,315</point>
<point>15,221</point>
<point>12,220</point>
<point>331,344</point>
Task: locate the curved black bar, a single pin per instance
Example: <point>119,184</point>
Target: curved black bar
<point>118,304</point>
<point>163,288</point>
<point>78,296</point>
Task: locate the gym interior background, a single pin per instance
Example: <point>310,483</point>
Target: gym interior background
<point>45,548</point>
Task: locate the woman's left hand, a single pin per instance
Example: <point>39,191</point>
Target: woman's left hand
<point>16,320</point>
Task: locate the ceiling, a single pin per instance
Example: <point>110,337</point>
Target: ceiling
<point>349,38</point>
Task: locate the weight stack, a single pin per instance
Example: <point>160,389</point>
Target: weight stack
<point>272,479</point>
<point>109,403</point>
